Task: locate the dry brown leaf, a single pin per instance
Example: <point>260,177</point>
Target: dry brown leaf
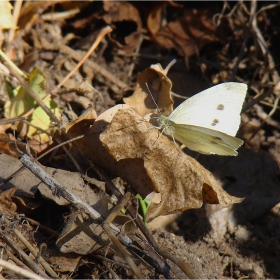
<point>182,182</point>
<point>119,11</point>
<point>7,206</point>
<point>66,263</point>
<point>85,120</point>
<point>159,86</point>
<point>154,21</point>
<point>8,148</point>
<point>28,184</point>
<point>129,147</point>
<point>31,9</point>
<point>25,206</point>
<point>95,151</point>
<point>91,145</point>
<point>188,34</point>
<point>82,235</point>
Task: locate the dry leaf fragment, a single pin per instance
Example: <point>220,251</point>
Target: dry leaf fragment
<point>85,120</point>
<point>7,147</point>
<point>90,145</point>
<point>31,10</point>
<point>182,182</point>
<point>119,11</point>
<point>7,206</point>
<point>188,34</point>
<point>66,263</point>
<point>159,86</point>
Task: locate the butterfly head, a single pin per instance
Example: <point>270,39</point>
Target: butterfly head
<point>166,125</point>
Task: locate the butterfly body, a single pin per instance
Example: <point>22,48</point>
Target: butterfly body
<point>208,121</point>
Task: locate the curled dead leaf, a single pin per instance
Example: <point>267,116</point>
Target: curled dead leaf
<point>7,146</point>
<point>129,147</point>
<point>159,85</point>
<point>85,120</point>
<point>187,34</point>
<point>7,206</point>
<point>182,182</point>
<point>120,11</point>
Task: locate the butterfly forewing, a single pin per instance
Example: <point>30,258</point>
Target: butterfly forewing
<point>217,108</point>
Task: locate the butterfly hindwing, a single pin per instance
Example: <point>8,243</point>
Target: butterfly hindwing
<point>206,141</point>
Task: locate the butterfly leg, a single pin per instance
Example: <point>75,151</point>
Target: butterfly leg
<point>159,135</point>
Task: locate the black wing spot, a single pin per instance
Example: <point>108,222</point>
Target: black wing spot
<point>214,122</point>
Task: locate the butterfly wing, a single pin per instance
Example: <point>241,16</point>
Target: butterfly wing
<point>206,141</point>
<point>217,108</point>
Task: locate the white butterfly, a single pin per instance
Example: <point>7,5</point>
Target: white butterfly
<point>208,121</point>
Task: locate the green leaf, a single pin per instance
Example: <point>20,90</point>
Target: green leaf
<point>21,102</point>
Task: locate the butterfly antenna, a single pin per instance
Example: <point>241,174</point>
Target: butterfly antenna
<point>153,98</point>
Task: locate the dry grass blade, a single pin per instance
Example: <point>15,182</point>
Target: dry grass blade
<point>19,270</point>
<point>35,252</point>
<point>11,120</point>
<point>115,240</point>
<point>95,67</point>
<point>102,33</point>
<point>23,255</point>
